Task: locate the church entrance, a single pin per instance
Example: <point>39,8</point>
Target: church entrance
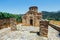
<point>31,22</point>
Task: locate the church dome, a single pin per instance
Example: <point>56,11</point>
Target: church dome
<point>33,8</point>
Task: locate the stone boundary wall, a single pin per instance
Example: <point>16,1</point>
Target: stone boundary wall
<point>6,22</point>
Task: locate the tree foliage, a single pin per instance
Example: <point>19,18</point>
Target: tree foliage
<point>4,15</point>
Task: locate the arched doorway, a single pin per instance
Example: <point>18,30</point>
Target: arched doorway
<point>31,22</point>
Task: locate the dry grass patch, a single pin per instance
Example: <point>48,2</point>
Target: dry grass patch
<point>55,22</point>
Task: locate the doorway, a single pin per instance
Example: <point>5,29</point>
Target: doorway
<point>31,22</point>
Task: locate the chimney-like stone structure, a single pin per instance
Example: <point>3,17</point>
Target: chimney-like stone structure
<point>43,31</point>
<point>13,24</point>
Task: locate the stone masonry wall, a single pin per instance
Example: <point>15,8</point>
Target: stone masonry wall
<point>11,22</point>
<point>4,23</point>
<point>44,28</point>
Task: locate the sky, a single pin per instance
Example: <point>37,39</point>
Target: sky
<point>22,6</point>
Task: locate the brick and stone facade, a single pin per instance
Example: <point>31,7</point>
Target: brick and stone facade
<point>32,17</point>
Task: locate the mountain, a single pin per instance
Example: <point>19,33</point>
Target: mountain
<point>51,15</point>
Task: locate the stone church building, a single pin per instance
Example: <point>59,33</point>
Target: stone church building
<point>32,17</point>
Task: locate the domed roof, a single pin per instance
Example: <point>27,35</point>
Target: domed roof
<point>33,7</point>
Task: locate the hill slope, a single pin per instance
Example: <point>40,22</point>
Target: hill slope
<point>51,15</point>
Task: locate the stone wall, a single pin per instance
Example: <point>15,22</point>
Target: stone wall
<point>7,23</point>
<point>13,24</point>
<point>4,23</point>
<point>44,28</point>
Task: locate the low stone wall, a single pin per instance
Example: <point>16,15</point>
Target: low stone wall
<point>7,22</point>
<point>4,23</point>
